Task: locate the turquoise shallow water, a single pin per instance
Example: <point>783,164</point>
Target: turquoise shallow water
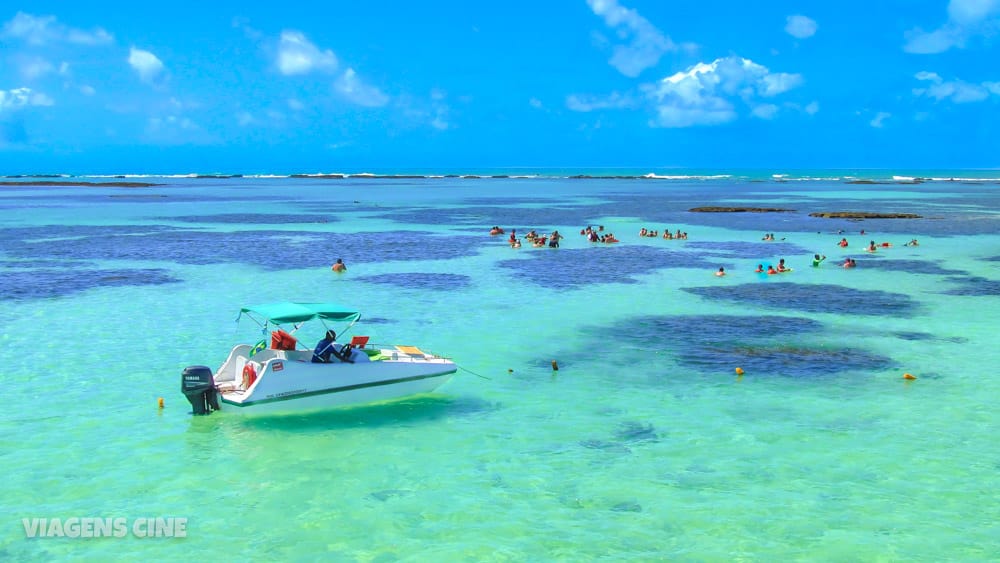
<point>644,445</point>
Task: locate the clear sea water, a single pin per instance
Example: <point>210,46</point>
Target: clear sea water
<point>644,445</point>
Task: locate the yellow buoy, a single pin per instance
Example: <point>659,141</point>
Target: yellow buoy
<point>555,366</point>
<point>160,402</point>
<point>739,371</point>
<point>909,376</point>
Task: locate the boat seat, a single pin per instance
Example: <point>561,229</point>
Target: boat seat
<point>264,355</point>
<point>359,355</point>
<point>295,355</point>
<point>281,340</point>
<point>413,351</point>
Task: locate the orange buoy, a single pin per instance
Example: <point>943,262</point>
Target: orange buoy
<point>160,402</point>
<point>739,371</point>
<point>555,366</point>
<point>909,376</point>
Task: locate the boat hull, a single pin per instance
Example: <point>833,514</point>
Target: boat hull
<point>288,384</point>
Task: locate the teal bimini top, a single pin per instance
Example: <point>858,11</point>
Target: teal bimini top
<point>288,312</point>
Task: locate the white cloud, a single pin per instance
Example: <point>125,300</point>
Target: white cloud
<point>587,103</point>
<point>433,111</point>
<point>716,112</point>
<point>440,109</point>
<point>34,67</point>
<point>40,99</point>
<point>32,29</point>
<point>439,123</point>
<point>39,30</point>
<point>812,108</point>
<point>87,90</point>
<point>535,103</point>
<point>922,42</point>
<point>171,122</point>
<point>97,37</point>
<point>244,118</point>
<point>647,44</point>
<point>966,12</point>
<point>765,111</point>
<point>773,84</point>
<point>879,118</point>
<point>297,55</point>
<point>18,97</point>
<point>966,19</point>
<point>249,32</point>
<point>957,91</point>
<point>703,94</point>
<point>22,97</point>
<point>175,129</point>
<point>145,63</point>
<point>356,91</point>
<point>295,105</point>
<point>800,27</point>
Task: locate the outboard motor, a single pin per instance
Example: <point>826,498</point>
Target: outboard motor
<point>199,388</point>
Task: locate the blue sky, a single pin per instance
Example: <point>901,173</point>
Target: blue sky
<point>100,87</point>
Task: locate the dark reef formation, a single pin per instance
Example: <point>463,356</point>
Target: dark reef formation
<point>863,215</point>
<point>740,210</point>
<point>95,184</point>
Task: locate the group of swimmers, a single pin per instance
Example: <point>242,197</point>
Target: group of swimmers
<point>818,258</point>
<point>536,240</point>
<point>667,235</point>
<point>593,236</point>
<point>597,235</point>
<point>872,247</point>
<point>771,270</point>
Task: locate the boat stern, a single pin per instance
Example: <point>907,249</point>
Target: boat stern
<point>198,385</point>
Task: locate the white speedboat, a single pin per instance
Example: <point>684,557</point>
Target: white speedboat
<point>284,378</point>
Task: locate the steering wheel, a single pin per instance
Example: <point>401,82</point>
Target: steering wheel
<point>344,354</point>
